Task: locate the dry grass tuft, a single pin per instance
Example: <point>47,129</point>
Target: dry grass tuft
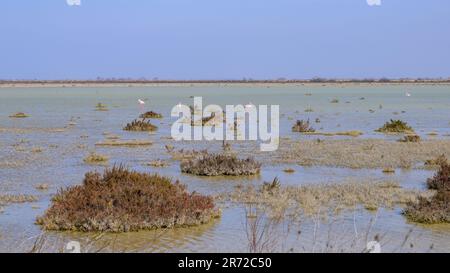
<point>150,114</point>
<point>42,187</point>
<point>183,154</point>
<point>204,120</point>
<point>324,199</point>
<point>438,161</point>
<point>121,200</point>
<point>220,164</point>
<point>158,163</point>
<point>352,133</point>
<point>410,138</point>
<point>101,107</point>
<point>140,126</point>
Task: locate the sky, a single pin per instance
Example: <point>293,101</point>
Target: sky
<point>224,39</point>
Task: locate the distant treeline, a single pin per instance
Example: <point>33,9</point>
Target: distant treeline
<point>281,80</point>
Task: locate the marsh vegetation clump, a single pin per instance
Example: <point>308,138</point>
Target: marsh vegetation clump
<point>271,186</point>
<point>185,154</point>
<point>309,110</point>
<point>19,198</point>
<point>395,126</point>
<point>321,200</point>
<point>388,170</point>
<point>101,107</point>
<point>140,125</point>
<point>353,133</point>
<point>410,138</point>
<point>220,164</point>
<point>441,180</point>
<point>121,200</point>
<point>158,163</point>
<point>19,115</point>
<point>126,143</point>
<point>438,161</point>
<point>94,158</point>
<point>42,186</point>
<point>359,153</point>
<point>150,114</point>
<point>204,120</point>
<point>334,101</point>
<point>302,126</point>
<point>434,209</point>
<point>289,170</point>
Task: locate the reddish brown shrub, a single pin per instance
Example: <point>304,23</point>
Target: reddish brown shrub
<point>437,208</point>
<point>123,200</point>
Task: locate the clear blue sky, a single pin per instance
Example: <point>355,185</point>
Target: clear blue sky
<point>224,39</point>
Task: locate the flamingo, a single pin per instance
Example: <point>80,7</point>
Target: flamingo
<point>408,94</point>
<point>141,102</point>
<point>249,105</point>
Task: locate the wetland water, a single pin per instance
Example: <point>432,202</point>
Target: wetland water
<point>63,127</point>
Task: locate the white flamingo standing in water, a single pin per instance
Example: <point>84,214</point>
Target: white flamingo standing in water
<point>408,94</point>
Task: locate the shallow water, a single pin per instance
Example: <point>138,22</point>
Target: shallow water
<point>60,161</point>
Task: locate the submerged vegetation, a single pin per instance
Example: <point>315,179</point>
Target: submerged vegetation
<point>140,125</point>
<point>130,143</point>
<point>395,126</point>
<point>434,209</point>
<point>20,198</point>
<point>150,114</point>
<point>220,164</point>
<point>121,200</point>
<point>94,158</point>
<point>302,126</point>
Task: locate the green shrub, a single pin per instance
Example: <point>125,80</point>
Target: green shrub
<point>121,200</point>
